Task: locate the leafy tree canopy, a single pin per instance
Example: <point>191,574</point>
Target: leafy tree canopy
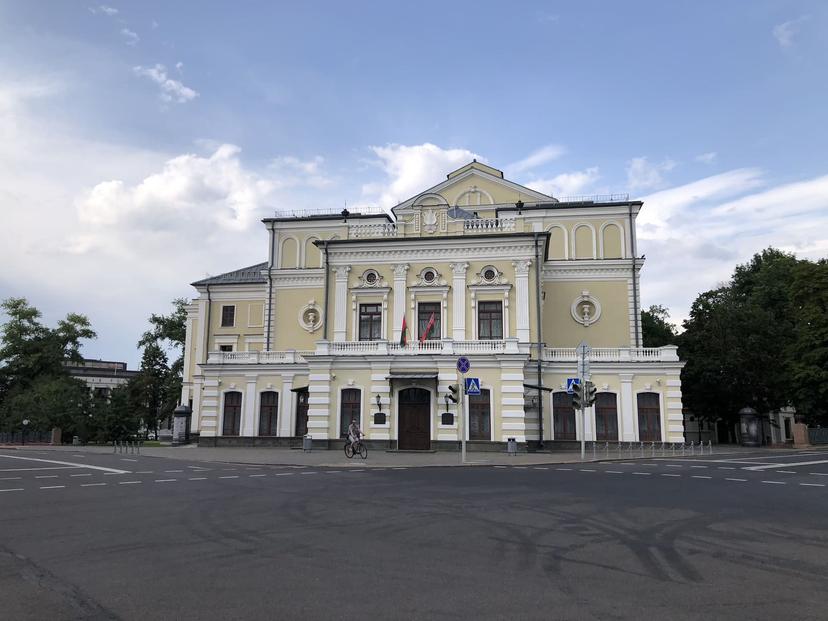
<point>656,327</point>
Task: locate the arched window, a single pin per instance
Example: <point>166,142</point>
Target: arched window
<point>269,414</point>
<point>611,242</point>
<point>557,243</point>
<point>313,256</point>
<point>606,417</point>
<point>350,407</point>
<point>584,242</point>
<point>231,422</point>
<point>563,416</point>
<point>480,416</point>
<point>290,250</point>
<point>649,417</point>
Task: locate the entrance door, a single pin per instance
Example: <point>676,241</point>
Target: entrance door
<point>563,416</point>
<point>301,412</point>
<point>480,417</point>
<point>649,417</point>
<point>232,414</point>
<point>414,411</point>
<point>349,409</point>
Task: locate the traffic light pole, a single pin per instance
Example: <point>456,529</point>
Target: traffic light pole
<point>582,387</point>
<point>461,407</point>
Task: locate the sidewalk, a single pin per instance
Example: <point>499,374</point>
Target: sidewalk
<point>389,459</point>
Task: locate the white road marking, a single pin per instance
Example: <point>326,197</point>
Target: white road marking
<point>813,484</point>
<point>740,480</point>
<point>52,487</point>
<point>500,466</point>
<point>112,474</point>
<point>232,476</point>
<point>399,468</point>
<point>141,472</point>
<point>33,469</point>
<point>585,470</point>
<point>786,471</point>
<point>789,465</point>
<point>541,468</point>
<point>697,476</point>
<point>674,465</point>
<point>125,459</point>
<point>698,466</point>
<point>199,468</point>
<point>91,484</point>
<point>173,471</point>
<point>360,470</point>
<point>334,471</point>
<point>67,463</point>
<point>47,476</point>
<point>819,474</point>
<point>257,475</point>
<point>81,456</point>
<point>129,482</point>
<point>284,474</point>
<point>670,475</point>
<point>775,482</point>
<point>197,479</point>
<point>80,475</point>
<point>643,473</point>
<point>614,472</point>
<point>726,468</point>
<point>307,473</point>
<point>10,478</point>
<point>165,480</point>
<point>564,469</point>
<point>12,489</point>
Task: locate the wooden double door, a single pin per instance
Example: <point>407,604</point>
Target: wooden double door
<point>414,409</point>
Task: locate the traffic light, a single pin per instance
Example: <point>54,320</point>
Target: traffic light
<point>589,393</point>
<point>577,396</point>
<point>454,392</point>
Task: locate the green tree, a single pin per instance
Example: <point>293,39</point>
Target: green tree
<point>116,418</point>
<point>34,382</point>
<point>656,328</point>
<point>147,390</point>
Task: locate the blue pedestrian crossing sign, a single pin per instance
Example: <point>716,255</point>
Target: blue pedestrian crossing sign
<point>570,382</point>
<point>472,386</point>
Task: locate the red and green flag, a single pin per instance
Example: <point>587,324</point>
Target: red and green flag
<point>428,328</point>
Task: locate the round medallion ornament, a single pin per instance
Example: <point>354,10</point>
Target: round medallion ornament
<point>586,310</point>
<point>310,316</point>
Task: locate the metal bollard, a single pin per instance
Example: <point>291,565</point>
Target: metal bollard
<point>593,450</point>
<point>710,447</point>
<point>606,450</point>
<point>652,447</point>
<point>140,442</point>
<point>114,447</point>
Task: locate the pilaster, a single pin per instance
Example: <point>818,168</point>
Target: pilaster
<point>287,406</point>
<point>400,272</point>
<point>248,422</point>
<point>458,303</point>
<point>522,298</point>
<point>628,431</point>
<point>341,302</point>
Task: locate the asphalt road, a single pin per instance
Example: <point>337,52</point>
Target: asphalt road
<point>153,538</point>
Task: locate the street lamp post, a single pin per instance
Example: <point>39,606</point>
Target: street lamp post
<point>25,424</point>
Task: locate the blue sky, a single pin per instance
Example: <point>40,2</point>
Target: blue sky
<point>142,142</point>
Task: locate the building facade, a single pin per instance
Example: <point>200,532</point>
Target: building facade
<point>364,315</point>
<point>101,376</point>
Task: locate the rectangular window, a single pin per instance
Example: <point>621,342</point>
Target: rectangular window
<point>225,348</point>
<point>228,316</point>
<point>370,322</point>
<point>425,310</point>
<point>490,320</point>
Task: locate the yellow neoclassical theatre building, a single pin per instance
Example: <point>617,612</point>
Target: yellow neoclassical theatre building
<point>363,315</point>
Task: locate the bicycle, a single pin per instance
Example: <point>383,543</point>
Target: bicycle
<point>356,448</point>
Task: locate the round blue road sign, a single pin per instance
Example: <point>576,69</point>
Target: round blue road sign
<point>463,364</point>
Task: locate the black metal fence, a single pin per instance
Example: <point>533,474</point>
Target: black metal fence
<point>16,437</point>
<point>818,435</point>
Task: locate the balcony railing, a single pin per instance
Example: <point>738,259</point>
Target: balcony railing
<point>377,229</point>
<point>489,225</point>
<point>255,357</point>
<point>431,347</point>
<point>668,353</point>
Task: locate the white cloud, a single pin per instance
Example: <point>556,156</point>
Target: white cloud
<point>537,158</point>
<point>171,90</point>
<point>785,32</point>
<point>293,171</point>
<point>412,169</point>
<point>130,36</point>
<point>179,66</point>
<point>103,9</point>
<point>566,184</point>
<point>706,158</point>
<point>642,175</point>
<point>695,234</point>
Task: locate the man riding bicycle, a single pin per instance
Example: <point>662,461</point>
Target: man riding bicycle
<point>354,434</point>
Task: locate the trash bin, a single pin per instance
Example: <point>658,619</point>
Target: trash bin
<point>511,446</point>
<point>76,441</point>
<point>307,443</point>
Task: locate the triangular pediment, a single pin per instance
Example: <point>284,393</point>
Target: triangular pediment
<point>473,187</point>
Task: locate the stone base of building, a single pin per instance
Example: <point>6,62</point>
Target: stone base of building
<point>479,446</point>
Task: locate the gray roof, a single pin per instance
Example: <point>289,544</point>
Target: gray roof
<point>252,274</point>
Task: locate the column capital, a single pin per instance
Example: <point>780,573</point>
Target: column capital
<point>400,270</point>
<point>341,271</point>
<point>459,269</point>
<point>522,266</point>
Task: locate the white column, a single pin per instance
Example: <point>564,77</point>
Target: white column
<point>248,424</point>
<point>522,298</point>
<point>286,406</point>
<point>628,433</point>
<point>458,302</point>
<point>341,302</point>
<point>400,271</point>
<point>201,343</point>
